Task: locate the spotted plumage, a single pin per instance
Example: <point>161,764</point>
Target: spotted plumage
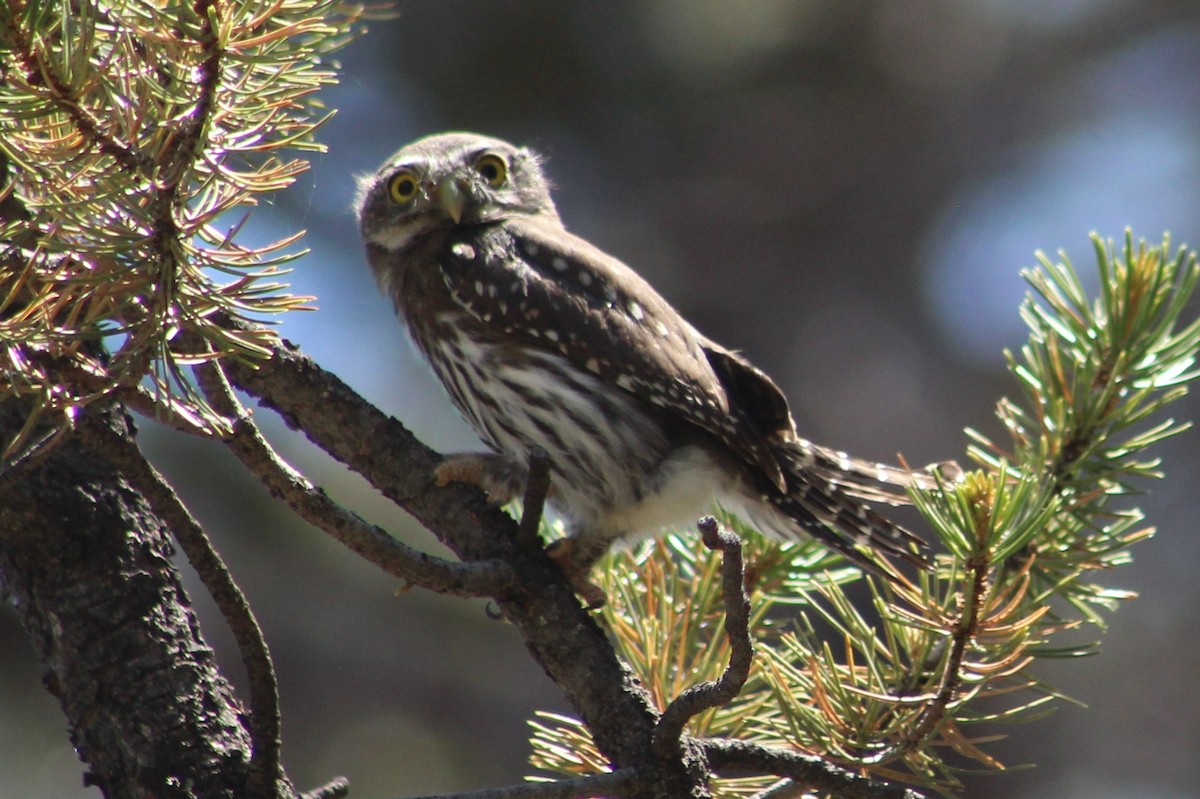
<point>543,340</point>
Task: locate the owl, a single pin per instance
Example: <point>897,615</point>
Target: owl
<point>542,340</point>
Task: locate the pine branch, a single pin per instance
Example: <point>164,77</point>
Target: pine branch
<point>126,136</point>
<point>489,578</point>
<point>813,773</point>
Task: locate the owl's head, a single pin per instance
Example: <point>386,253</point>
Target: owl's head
<point>446,180</point>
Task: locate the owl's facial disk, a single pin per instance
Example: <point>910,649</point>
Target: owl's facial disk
<point>447,180</point>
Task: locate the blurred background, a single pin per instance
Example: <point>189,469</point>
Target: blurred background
<point>846,190</point>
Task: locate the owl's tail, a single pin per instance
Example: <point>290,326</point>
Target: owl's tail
<point>826,499</point>
<point>864,479</point>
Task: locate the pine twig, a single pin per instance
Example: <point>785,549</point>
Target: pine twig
<point>537,486</point>
<point>742,757</point>
<point>699,698</point>
<point>962,633</point>
<point>490,578</point>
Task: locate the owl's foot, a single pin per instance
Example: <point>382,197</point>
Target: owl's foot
<point>498,476</point>
<point>562,552</point>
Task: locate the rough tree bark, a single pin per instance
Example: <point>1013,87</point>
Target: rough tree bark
<point>87,566</point>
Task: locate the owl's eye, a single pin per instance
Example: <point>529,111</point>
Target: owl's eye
<point>403,186</point>
<point>493,169</point>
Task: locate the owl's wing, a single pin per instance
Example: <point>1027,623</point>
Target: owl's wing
<point>533,279</point>
<point>752,389</point>
<point>756,393</point>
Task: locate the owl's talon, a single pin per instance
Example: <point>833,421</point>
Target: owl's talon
<point>458,469</point>
<point>561,552</point>
<point>473,469</point>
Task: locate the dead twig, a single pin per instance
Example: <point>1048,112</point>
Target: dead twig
<point>742,758</point>
<point>699,698</point>
<point>536,488</point>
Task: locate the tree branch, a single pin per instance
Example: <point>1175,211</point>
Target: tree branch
<point>740,758</point>
<point>563,638</point>
<point>699,698</point>
<point>489,578</point>
<point>88,570</point>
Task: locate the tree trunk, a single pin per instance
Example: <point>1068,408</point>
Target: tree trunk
<point>87,566</point>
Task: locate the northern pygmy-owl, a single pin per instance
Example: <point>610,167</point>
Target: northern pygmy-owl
<point>543,340</point>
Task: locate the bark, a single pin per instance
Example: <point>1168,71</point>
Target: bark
<point>87,567</point>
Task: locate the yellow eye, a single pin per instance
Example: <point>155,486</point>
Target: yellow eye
<point>403,186</point>
<point>493,169</point>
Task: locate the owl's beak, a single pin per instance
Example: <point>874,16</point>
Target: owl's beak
<point>450,198</point>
